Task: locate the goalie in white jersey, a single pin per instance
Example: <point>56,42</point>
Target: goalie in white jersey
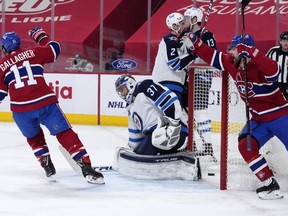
<point>155,113</point>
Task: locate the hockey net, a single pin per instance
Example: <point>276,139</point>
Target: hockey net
<point>227,114</point>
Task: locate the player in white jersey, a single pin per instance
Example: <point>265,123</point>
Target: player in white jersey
<point>171,62</point>
<point>202,81</point>
<point>155,117</point>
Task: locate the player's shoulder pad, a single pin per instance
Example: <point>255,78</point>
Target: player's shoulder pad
<point>170,38</point>
<point>150,89</point>
<point>144,85</point>
<point>208,34</point>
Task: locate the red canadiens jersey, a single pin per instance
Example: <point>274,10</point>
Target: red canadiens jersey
<point>22,77</point>
<point>266,102</point>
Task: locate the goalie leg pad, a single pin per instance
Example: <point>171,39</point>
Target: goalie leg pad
<point>181,165</point>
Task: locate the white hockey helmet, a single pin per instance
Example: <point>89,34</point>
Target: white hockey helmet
<point>194,12</point>
<point>125,86</point>
<point>174,18</point>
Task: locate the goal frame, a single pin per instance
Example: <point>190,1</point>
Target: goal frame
<point>224,119</point>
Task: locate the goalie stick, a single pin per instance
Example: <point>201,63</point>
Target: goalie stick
<point>75,166</point>
<point>244,3</point>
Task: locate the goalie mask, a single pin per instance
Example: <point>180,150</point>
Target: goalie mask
<point>125,86</point>
<point>10,42</point>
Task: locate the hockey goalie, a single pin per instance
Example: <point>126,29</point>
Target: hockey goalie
<point>157,133</point>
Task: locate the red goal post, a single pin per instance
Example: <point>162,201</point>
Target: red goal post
<point>224,119</point>
<point>227,113</point>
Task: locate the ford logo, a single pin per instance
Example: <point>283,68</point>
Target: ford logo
<point>124,64</point>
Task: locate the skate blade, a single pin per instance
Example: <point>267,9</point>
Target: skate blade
<point>93,180</point>
<point>51,178</point>
<point>270,196</point>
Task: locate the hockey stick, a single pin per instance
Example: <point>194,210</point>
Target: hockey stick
<point>244,3</point>
<point>195,127</point>
<point>203,140</point>
<point>75,166</point>
<point>206,18</point>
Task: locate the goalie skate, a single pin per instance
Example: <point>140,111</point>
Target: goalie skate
<point>270,190</point>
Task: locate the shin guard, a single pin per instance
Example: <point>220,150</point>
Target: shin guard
<point>71,142</point>
<point>255,160</point>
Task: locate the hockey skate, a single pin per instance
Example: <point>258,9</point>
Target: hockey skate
<point>91,176</point>
<point>269,190</point>
<point>48,166</point>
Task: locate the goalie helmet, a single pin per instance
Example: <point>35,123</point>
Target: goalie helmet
<point>10,42</point>
<point>174,19</point>
<point>249,40</point>
<point>194,12</point>
<point>125,86</point>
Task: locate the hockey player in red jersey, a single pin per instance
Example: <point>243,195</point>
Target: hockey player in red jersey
<point>33,103</point>
<point>267,104</point>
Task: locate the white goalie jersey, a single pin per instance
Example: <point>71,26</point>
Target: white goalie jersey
<point>151,101</point>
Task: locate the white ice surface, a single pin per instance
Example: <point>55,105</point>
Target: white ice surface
<point>25,191</point>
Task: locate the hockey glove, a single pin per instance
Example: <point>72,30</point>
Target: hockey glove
<point>167,133</point>
<point>37,34</point>
<point>245,51</point>
<point>191,41</point>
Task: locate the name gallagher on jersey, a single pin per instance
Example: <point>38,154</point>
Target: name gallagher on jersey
<point>17,58</point>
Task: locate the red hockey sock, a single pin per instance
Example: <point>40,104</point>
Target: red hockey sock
<point>255,160</point>
<point>39,146</point>
<point>71,142</point>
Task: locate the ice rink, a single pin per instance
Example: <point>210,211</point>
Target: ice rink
<point>25,190</point>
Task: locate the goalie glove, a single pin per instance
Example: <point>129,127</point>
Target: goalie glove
<point>167,133</point>
<point>191,41</point>
<point>37,34</point>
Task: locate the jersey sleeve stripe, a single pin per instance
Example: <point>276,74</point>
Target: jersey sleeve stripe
<point>56,48</point>
<point>169,103</point>
<point>133,130</point>
<point>162,97</point>
<point>216,60</point>
<point>274,77</point>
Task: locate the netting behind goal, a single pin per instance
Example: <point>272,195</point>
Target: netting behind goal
<point>226,111</point>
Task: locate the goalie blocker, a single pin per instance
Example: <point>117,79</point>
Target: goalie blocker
<point>181,165</point>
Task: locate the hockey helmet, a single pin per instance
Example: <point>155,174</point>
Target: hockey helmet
<point>127,82</point>
<point>174,18</point>
<point>78,56</point>
<point>10,42</point>
<point>248,40</point>
<point>284,35</point>
<point>194,12</point>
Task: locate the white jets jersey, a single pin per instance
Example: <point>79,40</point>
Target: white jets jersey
<point>171,63</point>
<point>152,100</point>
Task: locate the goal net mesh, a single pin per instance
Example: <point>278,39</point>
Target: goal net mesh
<point>217,104</point>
